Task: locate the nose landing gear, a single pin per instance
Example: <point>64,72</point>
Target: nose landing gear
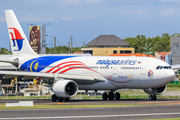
<point>152,97</point>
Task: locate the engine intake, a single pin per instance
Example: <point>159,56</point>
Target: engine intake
<point>65,88</point>
<point>157,91</point>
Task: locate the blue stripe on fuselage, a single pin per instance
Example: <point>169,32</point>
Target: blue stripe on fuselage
<point>39,63</point>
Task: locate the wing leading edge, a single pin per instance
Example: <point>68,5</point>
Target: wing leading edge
<point>175,67</point>
<point>80,79</point>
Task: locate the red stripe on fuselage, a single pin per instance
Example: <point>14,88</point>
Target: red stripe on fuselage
<point>62,64</point>
<point>76,68</point>
<point>66,66</point>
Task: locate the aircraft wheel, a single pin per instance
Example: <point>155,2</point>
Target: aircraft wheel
<point>152,97</point>
<point>54,98</point>
<point>117,96</point>
<point>155,98</point>
<point>104,96</point>
<point>111,96</point>
<point>66,99</point>
<point>60,99</point>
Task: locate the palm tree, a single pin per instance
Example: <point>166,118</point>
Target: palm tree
<point>4,51</point>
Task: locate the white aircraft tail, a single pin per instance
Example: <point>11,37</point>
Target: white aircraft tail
<point>18,40</point>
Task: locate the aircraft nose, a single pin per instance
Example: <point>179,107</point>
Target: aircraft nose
<point>170,75</point>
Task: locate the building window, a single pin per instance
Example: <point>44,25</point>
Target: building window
<point>114,51</point>
<point>88,51</point>
<point>121,51</point>
<point>127,51</point>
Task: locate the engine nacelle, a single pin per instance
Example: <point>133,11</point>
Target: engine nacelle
<point>157,91</point>
<point>65,88</point>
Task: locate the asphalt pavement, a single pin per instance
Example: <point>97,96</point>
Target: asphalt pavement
<point>117,113</point>
<point>140,109</point>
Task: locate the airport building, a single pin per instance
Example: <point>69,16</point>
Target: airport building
<point>105,45</point>
<point>175,48</point>
<point>164,56</point>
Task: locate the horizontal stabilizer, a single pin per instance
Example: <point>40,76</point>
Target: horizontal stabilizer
<point>15,63</point>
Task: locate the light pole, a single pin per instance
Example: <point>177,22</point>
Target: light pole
<point>43,38</point>
<point>51,43</point>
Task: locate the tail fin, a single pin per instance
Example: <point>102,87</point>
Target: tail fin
<point>18,40</point>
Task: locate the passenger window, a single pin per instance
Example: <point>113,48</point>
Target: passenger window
<point>170,67</point>
<point>114,51</point>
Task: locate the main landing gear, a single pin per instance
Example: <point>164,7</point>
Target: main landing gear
<point>111,96</point>
<point>59,99</point>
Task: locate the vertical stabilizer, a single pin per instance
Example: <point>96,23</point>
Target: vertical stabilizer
<point>18,40</point>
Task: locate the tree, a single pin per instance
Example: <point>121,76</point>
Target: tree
<point>4,51</point>
<point>61,50</point>
<point>157,44</point>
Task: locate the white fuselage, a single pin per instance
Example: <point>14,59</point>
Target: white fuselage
<point>116,72</point>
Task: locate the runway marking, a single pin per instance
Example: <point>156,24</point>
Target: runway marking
<point>92,116</point>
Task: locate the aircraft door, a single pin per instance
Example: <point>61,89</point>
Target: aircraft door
<point>28,65</point>
<point>144,68</point>
<point>114,73</point>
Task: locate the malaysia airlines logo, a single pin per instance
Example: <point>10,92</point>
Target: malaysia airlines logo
<point>16,39</point>
<point>150,73</point>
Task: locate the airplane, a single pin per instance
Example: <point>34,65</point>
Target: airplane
<point>68,74</point>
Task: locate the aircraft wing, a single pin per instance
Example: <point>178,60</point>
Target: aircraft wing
<point>80,79</point>
<point>175,67</point>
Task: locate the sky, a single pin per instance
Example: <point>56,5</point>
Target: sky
<point>85,20</point>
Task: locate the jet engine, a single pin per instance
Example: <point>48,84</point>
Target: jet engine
<point>65,88</point>
<point>157,91</point>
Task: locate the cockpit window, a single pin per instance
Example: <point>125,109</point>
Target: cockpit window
<point>166,67</point>
<point>163,67</point>
<point>158,67</point>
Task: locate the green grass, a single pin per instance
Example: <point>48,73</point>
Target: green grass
<point>61,106</point>
<point>23,97</point>
<point>125,94</point>
<point>173,85</point>
<point>165,119</point>
<point>86,97</point>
